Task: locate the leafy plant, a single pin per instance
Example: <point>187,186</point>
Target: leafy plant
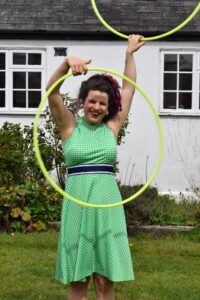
<point>12,146</point>
<point>197,214</point>
<point>28,207</point>
<point>17,157</point>
<point>154,209</point>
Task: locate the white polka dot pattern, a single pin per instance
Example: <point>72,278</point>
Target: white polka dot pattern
<point>92,240</point>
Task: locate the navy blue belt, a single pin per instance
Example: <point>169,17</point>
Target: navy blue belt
<point>90,169</point>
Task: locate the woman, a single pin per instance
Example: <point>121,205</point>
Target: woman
<point>93,241</point>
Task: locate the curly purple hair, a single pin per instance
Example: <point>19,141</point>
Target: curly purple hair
<point>107,84</point>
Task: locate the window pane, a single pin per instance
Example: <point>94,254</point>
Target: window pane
<point>34,80</point>
<point>185,82</point>
<point>19,80</point>
<point>169,101</point>
<point>170,81</point>
<point>34,58</point>
<point>186,62</point>
<point>170,63</point>
<point>19,99</point>
<point>34,98</point>
<point>19,58</point>
<point>185,100</point>
<point>2,98</point>
<point>2,61</point>
<point>2,80</point>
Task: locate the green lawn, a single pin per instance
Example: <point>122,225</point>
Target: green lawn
<point>166,268</point>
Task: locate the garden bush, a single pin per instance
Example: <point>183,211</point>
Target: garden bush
<point>151,208</point>
<point>28,207</point>
<point>31,206</point>
<point>197,214</point>
<point>17,157</point>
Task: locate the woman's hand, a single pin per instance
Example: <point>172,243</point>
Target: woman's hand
<point>134,43</point>
<point>78,66</point>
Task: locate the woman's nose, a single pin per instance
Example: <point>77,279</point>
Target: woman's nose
<point>97,106</point>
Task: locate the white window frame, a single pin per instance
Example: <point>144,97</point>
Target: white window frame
<point>5,109</point>
<point>195,110</point>
<point>198,77</point>
<point>10,68</point>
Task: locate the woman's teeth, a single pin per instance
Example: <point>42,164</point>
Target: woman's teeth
<point>95,114</point>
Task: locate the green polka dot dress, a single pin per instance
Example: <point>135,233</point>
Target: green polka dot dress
<point>92,240</point>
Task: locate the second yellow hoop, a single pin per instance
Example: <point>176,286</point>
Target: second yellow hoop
<point>153,38</point>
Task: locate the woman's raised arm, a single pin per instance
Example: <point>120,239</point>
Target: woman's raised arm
<point>127,93</point>
<point>61,115</point>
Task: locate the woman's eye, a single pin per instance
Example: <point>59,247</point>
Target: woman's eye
<point>103,104</point>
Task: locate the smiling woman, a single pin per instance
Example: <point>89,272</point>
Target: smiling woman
<point>93,242</point>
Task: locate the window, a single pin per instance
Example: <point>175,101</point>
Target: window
<point>180,82</point>
<point>2,79</point>
<point>21,80</point>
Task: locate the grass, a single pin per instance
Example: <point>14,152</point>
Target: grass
<point>166,268</point>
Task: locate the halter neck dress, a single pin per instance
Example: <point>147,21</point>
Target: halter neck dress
<point>92,240</point>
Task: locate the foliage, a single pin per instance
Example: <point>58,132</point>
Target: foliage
<point>28,207</point>
<point>33,171</point>
<point>31,206</point>
<point>154,209</point>
<point>123,132</point>
<point>197,214</point>
<point>11,153</point>
<point>17,157</point>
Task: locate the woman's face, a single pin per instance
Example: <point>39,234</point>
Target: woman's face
<point>95,106</point>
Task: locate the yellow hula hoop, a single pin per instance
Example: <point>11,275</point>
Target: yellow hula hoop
<point>153,38</point>
<point>45,172</point>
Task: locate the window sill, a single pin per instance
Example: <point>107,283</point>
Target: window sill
<point>179,114</point>
<point>20,112</point>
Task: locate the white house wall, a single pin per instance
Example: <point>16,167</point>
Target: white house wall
<point>138,155</point>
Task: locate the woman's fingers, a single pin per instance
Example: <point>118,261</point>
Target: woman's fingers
<point>135,42</point>
<point>74,69</point>
<point>80,67</point>
<point>88,61</point>
<point>85,69</point>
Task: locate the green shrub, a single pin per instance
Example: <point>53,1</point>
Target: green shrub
<point>12,146</point>
<point>154,209</point>
<point>17,157</point>
<point>28,207</point>
<point>31,206</point>
<point>197,214</point>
